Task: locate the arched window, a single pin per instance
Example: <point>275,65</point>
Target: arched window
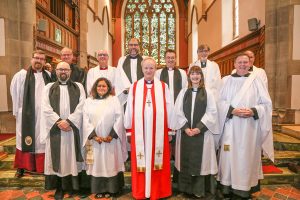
<point>153,22</point>
<point>235,18</point>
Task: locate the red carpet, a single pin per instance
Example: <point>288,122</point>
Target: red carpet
<point>271,169</point>
<point>5,136</point>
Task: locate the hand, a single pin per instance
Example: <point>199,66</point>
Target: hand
<point>64,125</point>
<point>98,139</point>
<point>247,113</point>
<point>107,139</point>
<point>242,112</point>
<point>195,131</point>
<point>189,132</point>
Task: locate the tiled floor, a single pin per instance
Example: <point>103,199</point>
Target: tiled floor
<point>280,192</point>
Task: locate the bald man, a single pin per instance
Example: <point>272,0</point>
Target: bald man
<point>61,118</point>
<point>78,74</point>
<point>101,70</point>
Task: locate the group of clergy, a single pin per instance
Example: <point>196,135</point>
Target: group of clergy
<point>199,116</point>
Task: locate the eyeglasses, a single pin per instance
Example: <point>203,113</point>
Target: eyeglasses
<point>102,54</point>
<point>203,51</point>
<point>63,70</point>
<point>37,58</point>
<point>131,45</point>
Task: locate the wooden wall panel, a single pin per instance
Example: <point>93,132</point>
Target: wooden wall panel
<point>254,42</point>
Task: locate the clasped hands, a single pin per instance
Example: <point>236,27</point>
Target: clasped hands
<point>107,139</point>
<point>242,112</point>
<point>64,125</point>
<point>192,131</point>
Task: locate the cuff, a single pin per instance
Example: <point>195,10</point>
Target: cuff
<point>229,113</point>
<point>255,116</point>
<point>71,123</point>
<point>93,134</point>
<point>113,134</point>
<point>201,127</point>
<point>185,126</point>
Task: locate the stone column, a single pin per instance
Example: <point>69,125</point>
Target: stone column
<point>83,34</point>
<point>19,20</point>
<point>278,50</point>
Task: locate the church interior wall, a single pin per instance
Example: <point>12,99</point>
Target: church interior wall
<point>210,30</point>
<point>98,30</point>
<point>248,10</point>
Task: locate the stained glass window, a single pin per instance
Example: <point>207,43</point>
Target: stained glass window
<point>153,22</point>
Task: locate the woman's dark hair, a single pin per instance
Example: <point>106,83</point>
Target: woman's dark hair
<point>94,88</point>
<point>195,69</point>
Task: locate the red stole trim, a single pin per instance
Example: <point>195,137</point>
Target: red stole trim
<point>160,179</point>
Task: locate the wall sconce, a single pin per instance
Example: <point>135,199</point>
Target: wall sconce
<point>253,24</point>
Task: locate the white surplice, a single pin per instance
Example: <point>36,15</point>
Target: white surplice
<point>103,115</point>
<point>240,163</point>
<point>68,163</point>
<point>122,82</point>
<point>148,125</point>
<point>95,73</point>
<point>261,73</point>
<point>209,119</point>
<point>212,76</point>
<point>184,82</point>
<point>17,94</point>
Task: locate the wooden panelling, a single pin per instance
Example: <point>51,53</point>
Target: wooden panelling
<point>254,42</point>
<point>50,37</point>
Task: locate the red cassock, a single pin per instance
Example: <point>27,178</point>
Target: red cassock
<point>160,179</point>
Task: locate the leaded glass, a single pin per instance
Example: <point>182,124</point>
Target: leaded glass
<point>153,23</point>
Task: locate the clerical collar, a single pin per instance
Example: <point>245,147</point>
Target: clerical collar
<point>103,68</point>
<point>203,64</point>
<point>194,89</point>
<point>63,82</point>
<point>133,57</point>
<point>236,75</point>
<point>149,82</point>
<point>170,68</point>
<point>251,69</point>
<point>100,97</point>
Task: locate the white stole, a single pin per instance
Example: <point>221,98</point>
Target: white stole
<point>139,103</point>
<point>244,89</point>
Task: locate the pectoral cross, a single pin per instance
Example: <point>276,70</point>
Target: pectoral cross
<point>158,153</point>
<point>140,155</point>
<point>148,102</point>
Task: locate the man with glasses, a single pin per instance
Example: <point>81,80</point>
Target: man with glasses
<point>210,69</point>
<point>61,120</point>
<point>26,91</point>
<point>102,70</point>
<point>129,70</point>
<point>78,74</point>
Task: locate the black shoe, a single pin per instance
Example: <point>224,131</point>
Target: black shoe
<point>19,173</point>
<point>59,194</point>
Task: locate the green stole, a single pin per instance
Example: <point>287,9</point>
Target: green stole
<point>55,133</point>
<point>28,110</point>
<point>192,147</point>
<point>127,67</point>
<point>177,80</point>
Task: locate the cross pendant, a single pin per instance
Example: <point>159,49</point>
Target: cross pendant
<point>148,102</point>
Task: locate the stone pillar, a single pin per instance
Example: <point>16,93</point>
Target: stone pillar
<point>278,50</point>
<point>83,35</point>
<point>19,20</point>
